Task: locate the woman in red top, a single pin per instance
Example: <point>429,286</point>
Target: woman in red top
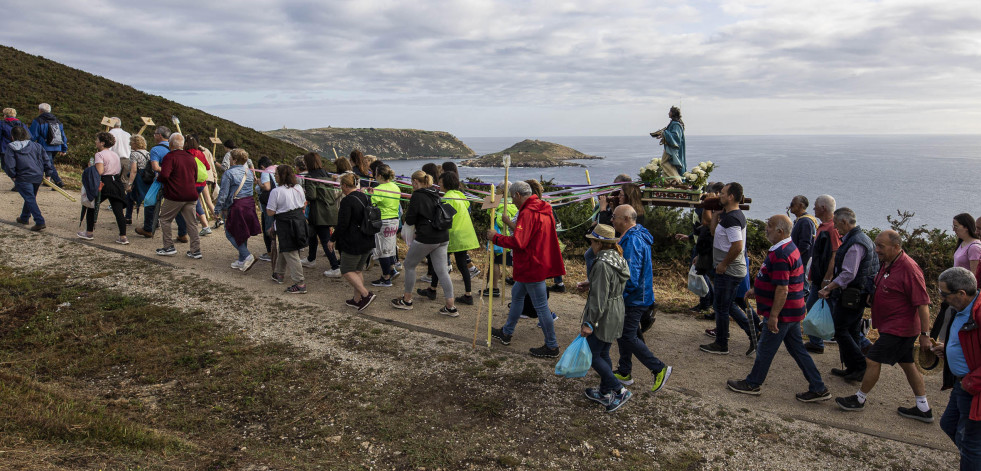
<point>192,146</point>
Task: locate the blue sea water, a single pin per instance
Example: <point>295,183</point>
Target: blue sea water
<point>934,176</point>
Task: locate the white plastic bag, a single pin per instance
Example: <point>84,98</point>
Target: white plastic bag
<point>697,283</point>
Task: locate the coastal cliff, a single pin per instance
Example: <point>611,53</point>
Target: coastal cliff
<point>532,153</point>
<point>389,144</point>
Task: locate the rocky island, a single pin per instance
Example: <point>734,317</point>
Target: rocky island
<point>532,153</point>
<point>388,144</point>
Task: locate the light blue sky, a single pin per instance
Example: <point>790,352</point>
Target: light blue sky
<point>535,68</point>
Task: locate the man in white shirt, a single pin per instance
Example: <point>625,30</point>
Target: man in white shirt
<point>121,147</point>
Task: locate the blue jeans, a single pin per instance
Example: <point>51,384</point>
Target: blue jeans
<point>53,174</point>
<point>243,250</point>
<point>539,299</point>
<point>956,423</point>
<point>28,191</point>
<point>603,365</point>
<point>725,306</point>
<point>789,334</point>
<point>630,343</point>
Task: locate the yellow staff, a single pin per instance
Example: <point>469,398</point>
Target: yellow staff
<point>59,190</point>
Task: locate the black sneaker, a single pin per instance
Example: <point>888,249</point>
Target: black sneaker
<point>449,312</point>
<point>810,396</point>
<point>559,288</point>
<point>594,394</point>
<point>167,251</point>
<point>297,289</point>
<point>365,301</point>
<point>916,414</point>
<point>849,403</point>
<point>840,372</point>
<point>618,399</point>
<point>856,376</point>
<point>465,299</point>
<point>278,278</point>
<point>496,292</point>
<point>509,281</point>
<point>351,303</point>
<point>429,293</point>
<point>382,283</point>
<point>714,348</point>
<point>545,352</point>
<point>814,348</point>
<point>194,255</point>
<point>500,335</point>
<point>741,386</point>
<point>752,349</point>
<point>401,303</point>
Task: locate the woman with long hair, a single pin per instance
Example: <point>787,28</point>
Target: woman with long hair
<point>386,197</point>
<point>463,237</point>
<point>968,250</point>
<point>322,198</point>
<point>192,147</point>
<point>428,241</point>
<point>285,205</point>
<point>352,243</point>
<point>237,206</point>
<point>107,163</point>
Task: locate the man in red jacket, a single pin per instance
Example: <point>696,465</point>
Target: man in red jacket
<point>178,175</point>
<point>960,344</point>
<point>536,258</point>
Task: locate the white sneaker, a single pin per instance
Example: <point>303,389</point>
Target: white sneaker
<point>237,265</point>
<point>249,261</point>
<point>205,231</point>
<point>474,271</point>
<point>425,279</point>
<point>307,263</point>
<point>335,273</point>
<point>449,268</point>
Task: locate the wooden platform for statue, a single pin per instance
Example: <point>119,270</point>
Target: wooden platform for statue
<point>677,197</point>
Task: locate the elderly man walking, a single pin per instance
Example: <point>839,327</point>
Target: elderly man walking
<point>536,258</point>
<point>50,133</point>
<point>855,265</point>
<point>901,313</point>
<point>960,344</point>
<point>779,292</point>
<point>638,298</point>
<point>822,266</point>
<point>178,175</point>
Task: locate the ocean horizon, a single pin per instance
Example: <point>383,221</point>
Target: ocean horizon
<point>875,175</point>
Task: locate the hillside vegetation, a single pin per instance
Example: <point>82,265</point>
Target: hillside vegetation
<point>532,153</point>
<point>388,144</point>
<point>80,100</point>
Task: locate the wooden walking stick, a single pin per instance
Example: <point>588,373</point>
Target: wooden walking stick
<point>590,183</point>
<point>504,251</point>
<point>59,190</point>
<point>177,123</point>
<point>214,144</point>
<point>146,122</point>
<point>490,250</point>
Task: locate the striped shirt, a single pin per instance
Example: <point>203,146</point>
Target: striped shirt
<point>782,267</point>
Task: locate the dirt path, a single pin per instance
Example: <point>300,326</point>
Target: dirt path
<point>698,378</point>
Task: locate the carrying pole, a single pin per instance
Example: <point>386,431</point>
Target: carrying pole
<point>59,190</point>
<point>490,254</point>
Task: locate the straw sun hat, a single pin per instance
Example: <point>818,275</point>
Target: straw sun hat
<point>603,233</point>
<point>926,361</point>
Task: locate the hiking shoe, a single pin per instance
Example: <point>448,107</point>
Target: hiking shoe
<point>465,299</point>
<point>500,335</point>
<point>182,239</point>
<point>307,263</point>
<point>557,288</point>
<point>394,274</point>
<point>474,271</point>
<point>333,273</point>
<point>429,293</point>
<point>41,227</point>
<point>143,232</point>
<point>449,311</point>
<point>625,380</point>
<point>195,255</point>
<point>857,376</point>
<point>916,414</point>
<point>714,348</point>
<point>82,235</point>
<point>814,348</point>
<point>351,302</point>
<point>618,399</point>
<point>544,352</point>
<point>265,257</point>
<point>297,289</point>
<point>278,278</point>
<point>120,241</point>
<point>594,394</point>
<point>810,396</point>
<point>22,221</point>
<point>237,265</point>
<point>219,222</point>
<point>849,403</point>
<point>660,378</point>
<point>248,262</point>
<point>401,303</point>
<point>496,292</point>
<point>167,251</point>
<point>365,301</point>
<point>710,333</point>
<point>381,282</point>
<point>509,281</point>
<point>205,232</point>
<point>426,279</point>
<point>741,386</point>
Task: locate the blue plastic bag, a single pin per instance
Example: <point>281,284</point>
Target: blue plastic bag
<point>151,194</point>
<point>818,322</point>
<point>575,360</point>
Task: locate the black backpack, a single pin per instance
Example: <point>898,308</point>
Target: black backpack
<point>443,219</point>
<point>54,134</point>
<point>371,220</point>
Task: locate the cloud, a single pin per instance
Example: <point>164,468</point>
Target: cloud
<point>486,55</point>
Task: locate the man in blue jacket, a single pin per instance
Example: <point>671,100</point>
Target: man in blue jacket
<point>39,131</point>
<point>638,297</point>
<point>25,163</point>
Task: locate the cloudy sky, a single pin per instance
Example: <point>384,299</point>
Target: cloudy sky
<point>535,68</point>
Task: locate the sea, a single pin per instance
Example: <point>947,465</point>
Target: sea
<point>933,176</point>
